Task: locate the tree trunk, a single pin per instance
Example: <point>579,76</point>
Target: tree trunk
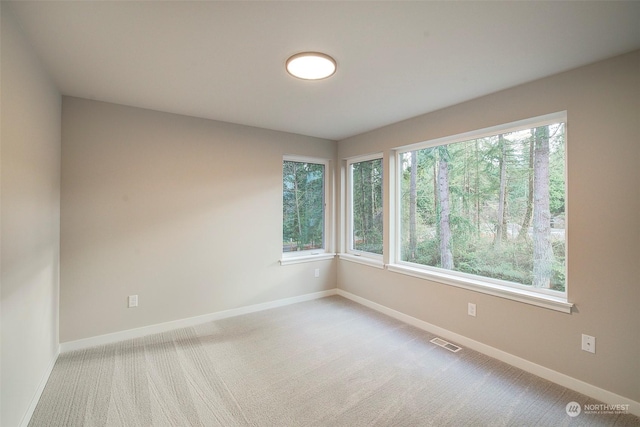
<point>296,193</point>
<point>413,202</point>
<point>363,210</point>
<point>436,207</point>
<point>446,256</point>
<point>466,193</point>
<point>372,188</point>
<point>526,222</point>
<point>477,190</point>
<point>500,227</point>
<point>542,250</point>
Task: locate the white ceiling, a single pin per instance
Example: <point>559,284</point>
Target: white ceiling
<point>225,60</point>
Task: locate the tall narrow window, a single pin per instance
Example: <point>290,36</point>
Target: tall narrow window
<point>303,207</point>
<point>488,207</point>
<point>365,206</point>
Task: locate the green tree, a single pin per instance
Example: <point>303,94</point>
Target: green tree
<point>501,220</point>
<point>367,206</point>
<point>303,206</point>
<point>413,204</point>
<point>446,256</point>
<point>523,234</point>
<point>471,207</point>
<point>542,249</point>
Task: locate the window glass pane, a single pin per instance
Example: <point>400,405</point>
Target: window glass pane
<point>492,207</point>
<point>303,206</point>
<point>366,202</point>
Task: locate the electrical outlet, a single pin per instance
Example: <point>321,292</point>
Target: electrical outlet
<point>589,343</point>
<point>316,273</point>
<point>133,301</point>
<point>471,309</point>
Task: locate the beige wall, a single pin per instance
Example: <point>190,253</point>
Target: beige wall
<point>603,151</point>
<point>30,213</point>
<point>184,212</point>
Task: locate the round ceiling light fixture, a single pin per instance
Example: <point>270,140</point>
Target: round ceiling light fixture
<point>311,66</point>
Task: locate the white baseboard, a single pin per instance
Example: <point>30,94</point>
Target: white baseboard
<point>184,323</point>
<point>36,397</point>
<point>526,365</point>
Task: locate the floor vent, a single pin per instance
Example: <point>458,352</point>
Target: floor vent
<point>445,344</point>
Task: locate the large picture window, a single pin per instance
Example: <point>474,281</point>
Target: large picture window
<point>365,206</point>
<point>488,207</point>
<point>303,207</point>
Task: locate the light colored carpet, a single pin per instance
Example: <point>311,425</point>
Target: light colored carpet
<point>327,362</point>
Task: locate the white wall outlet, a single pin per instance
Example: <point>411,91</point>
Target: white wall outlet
<point>316,273</point>
<point>471,309</point>
<point>589,343</point>
<point>133,301</point>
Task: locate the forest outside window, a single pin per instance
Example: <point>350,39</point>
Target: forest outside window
<point>304,213</point>
<point>487,208</point>
<point>365,207</point>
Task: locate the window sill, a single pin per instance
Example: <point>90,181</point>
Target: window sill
<point>521,295</point>
<point>306,258</point>
<point>371,262</point>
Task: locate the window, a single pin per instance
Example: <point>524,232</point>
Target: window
<point>486,209</point>
<point>304,194</point>
<point>364,212</point>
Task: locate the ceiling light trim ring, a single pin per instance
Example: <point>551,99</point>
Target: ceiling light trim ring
<point>325,60</point>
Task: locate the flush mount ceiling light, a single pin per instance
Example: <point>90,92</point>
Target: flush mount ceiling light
<point>311,66</point>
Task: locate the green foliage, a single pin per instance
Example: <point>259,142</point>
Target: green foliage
<point>303,206</point>
<point>559,271</point>
<point>366,194</point>
<point>427,252</point>
<point>474,194</point>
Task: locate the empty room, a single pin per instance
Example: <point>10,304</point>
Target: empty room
<point>309,213</point>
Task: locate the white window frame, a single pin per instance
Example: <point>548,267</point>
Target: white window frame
<point>320,253</point>
<point>550,299</point>
<point>349,253</point>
